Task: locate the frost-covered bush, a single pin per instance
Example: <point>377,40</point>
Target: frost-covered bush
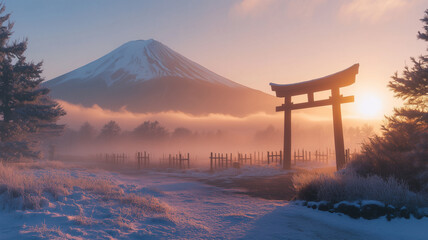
<point>349,186</point>
<point>377,159</point>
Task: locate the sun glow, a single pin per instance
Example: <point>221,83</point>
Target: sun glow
<point>369,105</point>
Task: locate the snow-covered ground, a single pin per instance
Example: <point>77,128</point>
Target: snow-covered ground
<point>179,207</point>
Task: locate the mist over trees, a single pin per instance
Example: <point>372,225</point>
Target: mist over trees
<point>152,135</point>
<point>27,113</point>
<point>181,133</point>
<point>150,131</point>
<point>87,132</point>
<point>110,131</point>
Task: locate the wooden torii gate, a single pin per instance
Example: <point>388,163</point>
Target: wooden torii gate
<point>331,82</point>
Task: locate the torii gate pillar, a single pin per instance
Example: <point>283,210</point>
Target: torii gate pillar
<point>339,144</point>
<point>287,134</point>
<point>332,82</point>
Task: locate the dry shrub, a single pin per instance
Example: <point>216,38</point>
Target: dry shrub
<point>19,190</point>
<point>45,232</point>
<point>143,204</point>
<point>23,189</point>
<point>39,165</point>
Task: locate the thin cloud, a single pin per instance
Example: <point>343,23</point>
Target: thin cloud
<point>303,8</point>
<point>373,10</point>
<point>252,7</point>
<point>291,8</point>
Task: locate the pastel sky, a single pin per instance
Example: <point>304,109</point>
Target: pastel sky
<point>252,42</point>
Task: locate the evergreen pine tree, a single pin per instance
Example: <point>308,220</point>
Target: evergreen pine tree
<point>402,150</point>
<point>26,113</point>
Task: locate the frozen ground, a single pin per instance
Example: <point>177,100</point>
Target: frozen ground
<point>190,209</point>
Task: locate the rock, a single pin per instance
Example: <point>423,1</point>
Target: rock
<point>372,211</point>
<point>349,209</point>
<point>312,205</point>
<point>404,213</point>
<point>325,206</point>
<point>418,214</point>
<point>391,212</point>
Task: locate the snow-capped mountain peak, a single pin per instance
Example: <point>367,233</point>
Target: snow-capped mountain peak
<point>143,60</point>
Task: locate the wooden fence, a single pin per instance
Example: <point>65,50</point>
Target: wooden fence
<point>116,158</point>
<point>350,156</point>
<point>179,161</point>
<point>220,160</point>
<point>301,156</point>
<point>321,157</point>
<point>225,160</point>
<point>143,159</point>
<point>244,159</point>
<point>274,158</point>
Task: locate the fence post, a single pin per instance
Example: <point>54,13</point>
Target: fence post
<point>147,158</point>
<point>294,157</point>
<point>211,162</point>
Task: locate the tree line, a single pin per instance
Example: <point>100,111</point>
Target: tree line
<point>146,131</point>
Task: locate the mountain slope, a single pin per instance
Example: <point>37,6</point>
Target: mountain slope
<point>147,76</point>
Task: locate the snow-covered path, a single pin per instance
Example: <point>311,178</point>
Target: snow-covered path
<point>219,213</point>
<point>223,214</point>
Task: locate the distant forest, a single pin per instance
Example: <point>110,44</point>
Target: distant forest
<point>153,133</point>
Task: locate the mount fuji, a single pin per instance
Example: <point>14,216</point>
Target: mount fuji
<point>147,76</point>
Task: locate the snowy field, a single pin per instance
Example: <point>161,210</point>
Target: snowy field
<point>177,205</point>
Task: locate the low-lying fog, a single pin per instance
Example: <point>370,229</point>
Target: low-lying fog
<point>89,133</point>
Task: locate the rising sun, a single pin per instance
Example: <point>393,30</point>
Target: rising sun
<point>369,105</point>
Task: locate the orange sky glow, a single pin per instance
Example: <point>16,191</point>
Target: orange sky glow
<point>252,42</point>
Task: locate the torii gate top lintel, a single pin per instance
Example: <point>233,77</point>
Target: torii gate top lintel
<point>336,80</point>
<point>331,82</point>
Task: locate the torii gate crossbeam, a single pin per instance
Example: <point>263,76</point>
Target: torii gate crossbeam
<point>331,82</point>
